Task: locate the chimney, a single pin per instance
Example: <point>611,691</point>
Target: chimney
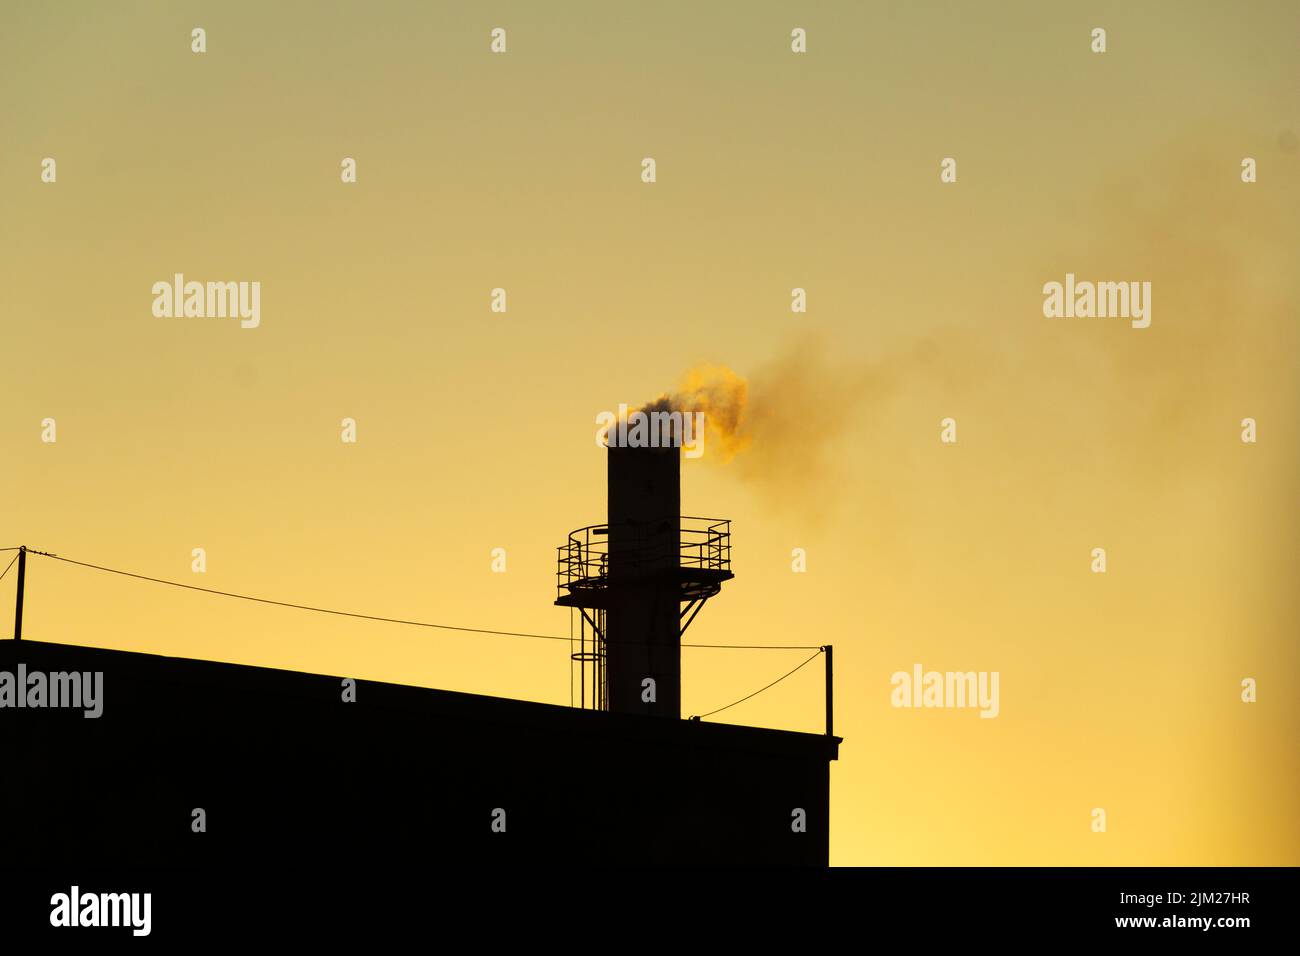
<point>639,580</point>
<point>644,590</point>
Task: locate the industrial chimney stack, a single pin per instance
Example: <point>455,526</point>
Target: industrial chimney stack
<point>644,544</point>
<point>639,580</point>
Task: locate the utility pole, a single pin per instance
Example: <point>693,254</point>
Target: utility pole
<point>22,577</point>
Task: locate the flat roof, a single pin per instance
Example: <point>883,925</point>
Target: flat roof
<point>419,701</point>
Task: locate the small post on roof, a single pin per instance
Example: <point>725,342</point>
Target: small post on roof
<point>830,690</point>
<point>22,578</point>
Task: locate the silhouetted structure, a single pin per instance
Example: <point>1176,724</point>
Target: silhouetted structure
<point>285,764</point>
<point>286,771</point>
<point>639,580</point>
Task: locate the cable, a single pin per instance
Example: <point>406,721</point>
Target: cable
<point>763,647</point>
<point>308,607</point>
<point>761,689</point>
<point>11,564</point>
<point>11,549</point>
<point>386,620</point>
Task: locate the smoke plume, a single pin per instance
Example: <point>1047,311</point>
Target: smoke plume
<point>780,429</point>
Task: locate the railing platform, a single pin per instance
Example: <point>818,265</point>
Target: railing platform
<point>695,584</point>
<point>583,575</point>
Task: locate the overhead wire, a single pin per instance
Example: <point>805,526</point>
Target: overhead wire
<point>447,627</point>
<point>761,689</point>
<point>391,620</point>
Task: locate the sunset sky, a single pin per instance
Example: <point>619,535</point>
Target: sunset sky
<point>775,170</point>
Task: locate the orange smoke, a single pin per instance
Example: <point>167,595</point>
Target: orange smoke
<point>722,396</point>
<point>789,425</point>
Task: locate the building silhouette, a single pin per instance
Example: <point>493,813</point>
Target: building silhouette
<point>280,765</point>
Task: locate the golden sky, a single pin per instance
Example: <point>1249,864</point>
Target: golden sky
<point>775,170</point>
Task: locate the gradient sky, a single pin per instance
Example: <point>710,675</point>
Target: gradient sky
<point>774,171</point>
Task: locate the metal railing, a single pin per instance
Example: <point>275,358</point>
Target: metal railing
<point>583,560</point>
